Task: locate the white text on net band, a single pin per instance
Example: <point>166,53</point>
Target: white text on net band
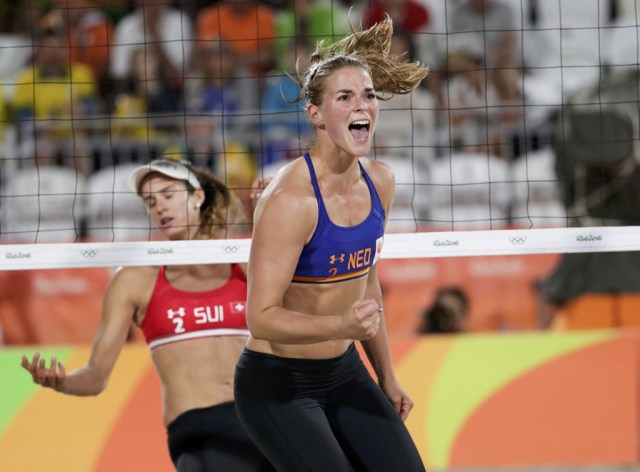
<point>396,246</point>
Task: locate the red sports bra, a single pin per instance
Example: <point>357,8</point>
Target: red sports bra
<point>175,315</point>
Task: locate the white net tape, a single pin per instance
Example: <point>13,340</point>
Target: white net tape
<point>396,246</point>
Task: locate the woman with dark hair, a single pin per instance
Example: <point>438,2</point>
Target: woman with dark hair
<point>192,317</point>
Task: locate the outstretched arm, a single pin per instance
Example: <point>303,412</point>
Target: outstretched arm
<point>111,335</point>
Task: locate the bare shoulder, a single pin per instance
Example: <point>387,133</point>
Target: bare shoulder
<point>134,279</point>
<point>287,211</point>
<point>383,178</point>
<point>290,191</point>
<point>129,289</point>
<point>380,172</point>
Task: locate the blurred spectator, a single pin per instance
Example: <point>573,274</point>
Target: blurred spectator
<point>409,15</point>
<point>164,32</point>
<point>405,141</point>
<point>16,40</point>
<point>192,7</point>
<point>469,191</point>
<point>447,314</point>
<point>144,91</point>
<point>18,17</point>
<point>236,168</point>
<point>16,52</point>
<point>218,81</point>
<point>56,94</point>
<point>592,290</point>
<point>412,16</point>
<point>490,24</point>
<point>222,101</point>
<point>54,87</point>
<point>407,122</point>
<point>221,98</point>
<point>89,31</point>
<point>116,9</point>
<point>247,25</point>
<point>484,106</point>
<point>469,91</point>
<point>311,20</point>
<point>3,118</point>
<point>43,201</point>
<point>284,122</point>
<point>507,113</point>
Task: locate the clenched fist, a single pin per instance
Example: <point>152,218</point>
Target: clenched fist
<point>363,320</point>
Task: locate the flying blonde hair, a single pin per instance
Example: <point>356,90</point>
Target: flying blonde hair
<point>368,49</point>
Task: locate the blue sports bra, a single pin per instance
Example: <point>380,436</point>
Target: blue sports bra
<point>337,253</point>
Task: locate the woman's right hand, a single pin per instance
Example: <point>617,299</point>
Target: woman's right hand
<point>257,187</point>
<point>51,377</point>
<point>363,320</point>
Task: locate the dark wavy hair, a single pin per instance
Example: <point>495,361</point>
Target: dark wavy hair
<point>221,209</point>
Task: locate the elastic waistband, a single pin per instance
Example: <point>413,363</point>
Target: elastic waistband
<point>206,411</point>
<point>295,363</point>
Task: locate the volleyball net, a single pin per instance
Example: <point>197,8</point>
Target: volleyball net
<point>523,139</point>
<point>397,246</point>
<point>521,148</point>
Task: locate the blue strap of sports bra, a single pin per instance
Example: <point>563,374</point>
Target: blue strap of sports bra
<point>314,182</point>
<point>316,188</point>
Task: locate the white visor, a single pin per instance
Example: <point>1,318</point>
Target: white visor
<point>169,167</point>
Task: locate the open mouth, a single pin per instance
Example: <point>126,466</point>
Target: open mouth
<point>360,129</point>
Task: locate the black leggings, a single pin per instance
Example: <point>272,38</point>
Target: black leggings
<point>321,415</point>
<point>213,439</point>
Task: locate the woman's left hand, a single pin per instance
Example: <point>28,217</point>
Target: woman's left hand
<point>398,398</point>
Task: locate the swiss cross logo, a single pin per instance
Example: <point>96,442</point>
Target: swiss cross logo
<point>238,307</point>
<point>379,243</point>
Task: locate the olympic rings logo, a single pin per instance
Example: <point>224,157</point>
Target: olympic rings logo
<point>517,240</point>
<point>90,252</point>
<point>230,249</point>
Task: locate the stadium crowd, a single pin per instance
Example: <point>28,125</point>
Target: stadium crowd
<point>89,85</point>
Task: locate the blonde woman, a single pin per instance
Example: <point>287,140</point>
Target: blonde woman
<point>301,389</point>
